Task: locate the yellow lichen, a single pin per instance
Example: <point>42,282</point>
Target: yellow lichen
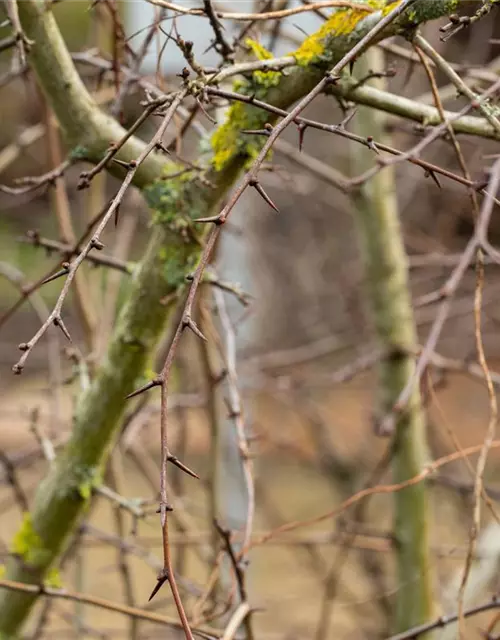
<point>260,52</point>
<point>228,142</point>
<point>390,7</point>
<point>28,545</point>
<point>225,137</point>
<point>265,79</point>
<point>341,22</point>
<point>53,578</point>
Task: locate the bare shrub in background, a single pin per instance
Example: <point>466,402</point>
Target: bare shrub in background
<point>382,256</point>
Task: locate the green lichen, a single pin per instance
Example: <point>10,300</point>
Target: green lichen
<point>417,15</point>
<point>227,141</point>
<point>28,546</point>
<point>179,260</point>
<point>175,201</point>
<point>85,479</point>
<point>85,490</point>
<point>78,153</point>
<point>385,6</point>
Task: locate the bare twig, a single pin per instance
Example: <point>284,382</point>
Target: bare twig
<point>266,15</point>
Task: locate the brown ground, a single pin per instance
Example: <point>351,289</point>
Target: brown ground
<point>285,580</point>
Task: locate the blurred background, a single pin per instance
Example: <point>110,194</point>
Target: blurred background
<point>305,349</point>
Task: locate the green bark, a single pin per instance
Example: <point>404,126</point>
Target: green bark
<point>386,269</point>
<point>406,108</point>
<point>65,493</point>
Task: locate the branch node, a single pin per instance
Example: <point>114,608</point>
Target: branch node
<point>83,181</point>
<point>58,322</point>
<point>96,244</point>
<point>332,79</point>
<point>168,507</point>
<point>161,147</point>
<point>371,145</point>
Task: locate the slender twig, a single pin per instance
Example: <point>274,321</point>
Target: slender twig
<point>116,475</point>
<point>22,41</point>
<point>442,65</point>
<point>68,251</point>
<point>266,15</point>
<point>241,613</point>
<point>18,279</point>
<point>236,409</point>
<point>431,468</point>
<point>221,44</point>
<point>483,455</point>
<point>444,621</point>
<point>341,131</point>
<point>422,46</point>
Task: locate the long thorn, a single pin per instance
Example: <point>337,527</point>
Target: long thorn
<point>260,190</point>
<point>58,322</point>
<point>180,465</point>
<point>149,385</point>
<point>59,274</point>
<point>162,578</point>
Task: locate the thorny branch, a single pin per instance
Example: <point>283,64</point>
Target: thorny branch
<point>187,322</point>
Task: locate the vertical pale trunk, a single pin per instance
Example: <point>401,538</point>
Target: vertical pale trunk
<point>386,269</point>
